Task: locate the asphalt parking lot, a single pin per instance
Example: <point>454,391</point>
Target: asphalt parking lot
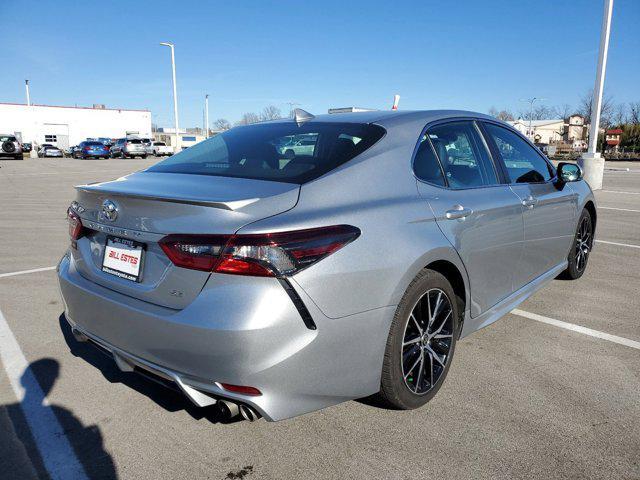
<point>526,397</point>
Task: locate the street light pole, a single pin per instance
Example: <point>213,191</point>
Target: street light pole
<point>175,93</point>
<point>592,163</point>
<point>206,115</point>
<point>26,85</point>
<point>531,101</point>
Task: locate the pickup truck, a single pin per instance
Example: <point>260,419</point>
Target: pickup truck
<point>158,149</point>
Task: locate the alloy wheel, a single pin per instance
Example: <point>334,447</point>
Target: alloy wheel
<point>584,239</point>
<point>427,341</point>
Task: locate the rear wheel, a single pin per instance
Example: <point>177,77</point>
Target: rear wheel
<point>421,342</point>
<point>581,248</point>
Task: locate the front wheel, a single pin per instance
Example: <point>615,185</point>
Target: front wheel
<point>581,248</point>
<point>421,342</point>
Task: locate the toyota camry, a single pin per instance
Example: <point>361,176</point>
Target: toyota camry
<point>273,281</point>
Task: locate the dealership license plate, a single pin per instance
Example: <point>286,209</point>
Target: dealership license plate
<point>123,258</point>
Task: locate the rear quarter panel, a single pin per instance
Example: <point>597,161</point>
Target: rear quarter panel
<point>377,193</point>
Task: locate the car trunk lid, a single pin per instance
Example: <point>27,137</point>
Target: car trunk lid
<point>149,206</point>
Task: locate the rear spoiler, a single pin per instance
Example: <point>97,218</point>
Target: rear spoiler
<point>232,205</point>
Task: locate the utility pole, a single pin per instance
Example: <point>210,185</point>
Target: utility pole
<point>592,162</point>
<point>175,93</point>
<point>206,116</point>
<point>26,84</point>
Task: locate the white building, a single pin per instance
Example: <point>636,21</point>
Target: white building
<point>542,131</point>
<point>187,138</point>
<point>65,126</point>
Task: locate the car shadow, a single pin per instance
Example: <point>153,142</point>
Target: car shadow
<point>169,399</point>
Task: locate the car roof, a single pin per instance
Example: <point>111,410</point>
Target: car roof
<point>390,117</point>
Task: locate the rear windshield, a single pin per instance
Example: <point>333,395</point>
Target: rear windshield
<point>94,144</point>
<point>282,152</point>
<point>5,138</point>
<point>134,140</point>
<point>159,144</point>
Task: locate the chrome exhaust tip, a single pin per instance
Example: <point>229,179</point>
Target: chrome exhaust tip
<point>78,335</point>
<point>227,409</point>
<point>248,413</point>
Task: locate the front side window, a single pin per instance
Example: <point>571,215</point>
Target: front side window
<point>523,163</point>
<point>283,152</point>
<point>462,154</point>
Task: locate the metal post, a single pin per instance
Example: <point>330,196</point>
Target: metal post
<point>206,116</point>
<point>592,163</point>
<point>175,94</point>
<point>26,84</point>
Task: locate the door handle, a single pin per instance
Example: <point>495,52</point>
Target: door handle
<point>458,212</point>
<point>529,202</point>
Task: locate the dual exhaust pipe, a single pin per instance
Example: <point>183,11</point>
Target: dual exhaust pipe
<point>229,410</point>
<point>226,408</point>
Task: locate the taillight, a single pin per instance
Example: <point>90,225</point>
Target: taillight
<point>264,255</point>
<point>75,226</point>
<point>86,149</point>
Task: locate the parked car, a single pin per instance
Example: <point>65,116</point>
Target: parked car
<point>48,150</point>
<point>27,147</point>
<point>106,141</point>
<point>93,149</point>
<point>128,148</point>
<point>277,285</point>
<point>10,147</point>
<point>159,149</point>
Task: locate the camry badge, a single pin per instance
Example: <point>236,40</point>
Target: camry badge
<point>109,210</point>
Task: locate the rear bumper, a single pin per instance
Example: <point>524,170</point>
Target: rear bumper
<point>241,331</point>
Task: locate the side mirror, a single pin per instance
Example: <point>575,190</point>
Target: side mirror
<point>569,172</point>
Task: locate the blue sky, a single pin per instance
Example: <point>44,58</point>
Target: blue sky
<point>250,54</point>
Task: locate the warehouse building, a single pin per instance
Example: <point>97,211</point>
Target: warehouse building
<point>65,126</point>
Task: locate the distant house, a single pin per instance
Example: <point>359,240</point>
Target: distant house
<point>576,132</point>
<point>612,139</point>
<point>541,131</point>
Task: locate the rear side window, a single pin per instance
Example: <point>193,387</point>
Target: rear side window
<point>464,159</point>
<point>523,163</point>
<point>282,152</point>
<point>426,165</point>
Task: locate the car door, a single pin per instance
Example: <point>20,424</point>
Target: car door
<point>476,211</point>
<point>549,208</point>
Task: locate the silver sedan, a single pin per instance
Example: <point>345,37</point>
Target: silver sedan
<point>266,281</point>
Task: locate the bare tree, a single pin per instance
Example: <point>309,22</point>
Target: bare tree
<point>504,115</point>
<point>248,118</point>
<point>270,113</point>
<point>222,124</point>
<point>541,112</point>
<point>634,113</point>
<point>606,112</point>
<point>563,111</point>
<point>619,116</point>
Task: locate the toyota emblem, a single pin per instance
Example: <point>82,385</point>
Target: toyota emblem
<point>110,210</point>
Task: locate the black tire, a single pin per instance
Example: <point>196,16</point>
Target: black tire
<point>581,248</point>
<point>395,386</point>
<point>18,157</point>
<point>144,156</point>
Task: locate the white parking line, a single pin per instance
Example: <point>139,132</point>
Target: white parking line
<point>620,191</point>
<point>55,450</point>
<point>618,209</point>
<point>577,328</point>
<point>23,272</point>
<point>618,244</point>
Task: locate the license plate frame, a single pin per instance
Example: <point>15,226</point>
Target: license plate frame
<point>127,245</point>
